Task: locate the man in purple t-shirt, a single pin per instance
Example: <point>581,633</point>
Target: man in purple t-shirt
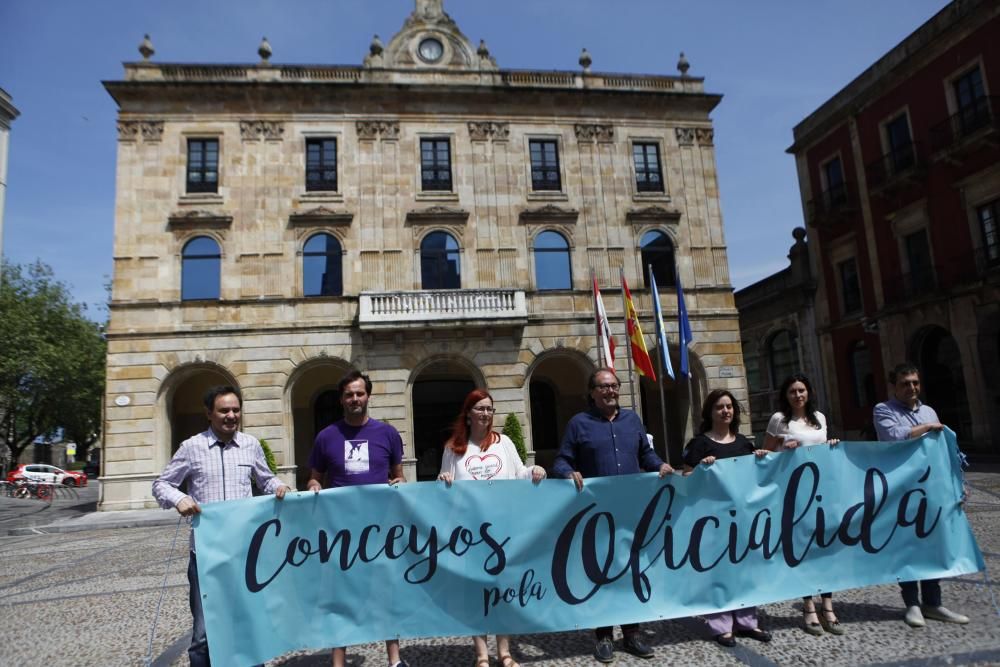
<point>353,451</point>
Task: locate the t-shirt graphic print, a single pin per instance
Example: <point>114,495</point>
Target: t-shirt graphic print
<point>356,461</point>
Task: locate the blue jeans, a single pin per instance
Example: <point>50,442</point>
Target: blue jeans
<point>198,651</point>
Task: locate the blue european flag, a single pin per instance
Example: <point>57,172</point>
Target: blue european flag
<point>683,327</point>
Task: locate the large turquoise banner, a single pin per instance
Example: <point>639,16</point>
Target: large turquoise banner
<point>349,566</point>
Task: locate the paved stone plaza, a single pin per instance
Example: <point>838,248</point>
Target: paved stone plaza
<point>87,596</point>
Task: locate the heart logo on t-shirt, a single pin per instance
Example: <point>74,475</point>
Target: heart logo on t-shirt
<point>483,467</point>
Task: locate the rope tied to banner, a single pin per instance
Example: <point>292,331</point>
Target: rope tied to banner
<point>147,660</point>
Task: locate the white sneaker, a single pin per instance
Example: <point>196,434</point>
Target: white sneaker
<point>944,614</point>
<point>914,618</point>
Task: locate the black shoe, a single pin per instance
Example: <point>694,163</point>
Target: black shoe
<point>605,650</point>
<point>632,644</point>
<point>756,633</point>
<point>726,639</point>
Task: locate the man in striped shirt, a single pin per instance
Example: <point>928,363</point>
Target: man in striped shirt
<point>904,417</point>
<point>218,464</point>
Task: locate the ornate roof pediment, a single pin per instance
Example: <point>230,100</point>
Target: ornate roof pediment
<point>429,39</point>
<point>436,214</point>
<point>320,215</point>
<point>199,219</point>
<point>652,214</point>
<point>549,213</point>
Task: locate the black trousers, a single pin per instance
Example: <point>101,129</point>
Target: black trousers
<point>628,630</point>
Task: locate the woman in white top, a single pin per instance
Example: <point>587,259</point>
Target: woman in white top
<point>800,424</point>
<point>477,452</point>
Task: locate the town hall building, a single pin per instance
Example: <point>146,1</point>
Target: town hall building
<point>427,217</point>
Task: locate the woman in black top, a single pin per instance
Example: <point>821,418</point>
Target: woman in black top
<point>720,439</point>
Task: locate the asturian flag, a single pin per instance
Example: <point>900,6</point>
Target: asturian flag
<point>605,342</point>
<point>661,331</point>
<point>643,364</point>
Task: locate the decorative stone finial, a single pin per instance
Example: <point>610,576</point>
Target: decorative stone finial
<point>799,234</point>
<point>264,50</point>
<point>483,51</point>
<point>146,48</point>
<point>376,47</point>
<point>683,65</point>
<point>585,60</point>
<point>429,9</point>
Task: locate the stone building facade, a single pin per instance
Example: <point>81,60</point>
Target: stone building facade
<point>8,112</point>
<point>427,217</point>
<point>899,174</point>
<point>778,333</point>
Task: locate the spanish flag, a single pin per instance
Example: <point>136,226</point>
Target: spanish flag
<point>643,364</point>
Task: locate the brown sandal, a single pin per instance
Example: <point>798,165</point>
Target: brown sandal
<point>482,662</point>
<point>508,661</point>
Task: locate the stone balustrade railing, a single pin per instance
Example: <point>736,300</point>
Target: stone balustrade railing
<point>404,309</point>
<point>347,74</point>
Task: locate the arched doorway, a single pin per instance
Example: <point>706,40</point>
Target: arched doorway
<point>437,394</point>
<point>184,400</point>
<point>557,391</point>
<point>942,378</point>
<point>315,404</point>
<point>680,426</point>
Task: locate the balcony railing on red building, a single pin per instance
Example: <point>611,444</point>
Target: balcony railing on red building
<point>901,166</point>
<point>957,272</point>
<point>977,119</point>
<point>832,205</point>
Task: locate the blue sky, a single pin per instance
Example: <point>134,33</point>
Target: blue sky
<point>774,61</point>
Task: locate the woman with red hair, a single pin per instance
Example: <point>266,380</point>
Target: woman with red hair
<point>476,452</point>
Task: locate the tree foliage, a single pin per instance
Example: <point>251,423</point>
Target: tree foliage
<point>272,463</point>
<point>512,429</point>
<point>52,360</point>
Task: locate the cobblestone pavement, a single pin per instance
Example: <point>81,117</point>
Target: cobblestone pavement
<point>89,598</point>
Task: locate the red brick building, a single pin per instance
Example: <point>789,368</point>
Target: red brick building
<point>900,180</point>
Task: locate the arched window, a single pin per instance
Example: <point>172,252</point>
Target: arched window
<point>658,251</point>
<point>440,266</point>
<point>782,356</point>
<point>552,263</point>
<point>201,264</point>
<point>321,266</point>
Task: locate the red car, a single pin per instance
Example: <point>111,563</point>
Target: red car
<point>40,472</point>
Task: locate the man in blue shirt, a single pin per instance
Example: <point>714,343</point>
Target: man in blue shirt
<point>608,440</point>
<point>904,417</point>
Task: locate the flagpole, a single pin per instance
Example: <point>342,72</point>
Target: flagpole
<point>662,377</point>
<point>628,347</point>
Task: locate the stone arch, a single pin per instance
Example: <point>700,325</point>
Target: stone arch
<point>556,388</point>
<point>310,401</point>
<point>942,377</point>
<point>435,391</point>
<point>179,404</point>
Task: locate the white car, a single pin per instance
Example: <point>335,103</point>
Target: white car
<point>40,472</point>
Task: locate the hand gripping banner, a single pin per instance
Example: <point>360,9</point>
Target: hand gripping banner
<point>353,565</point>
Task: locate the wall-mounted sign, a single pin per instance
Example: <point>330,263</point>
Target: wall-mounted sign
<point>122,401</point>
<point>727,372</point>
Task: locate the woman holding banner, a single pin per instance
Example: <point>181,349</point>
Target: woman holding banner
<point>799,424</point>
<point>719,438</point>
<point>477,452</point>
